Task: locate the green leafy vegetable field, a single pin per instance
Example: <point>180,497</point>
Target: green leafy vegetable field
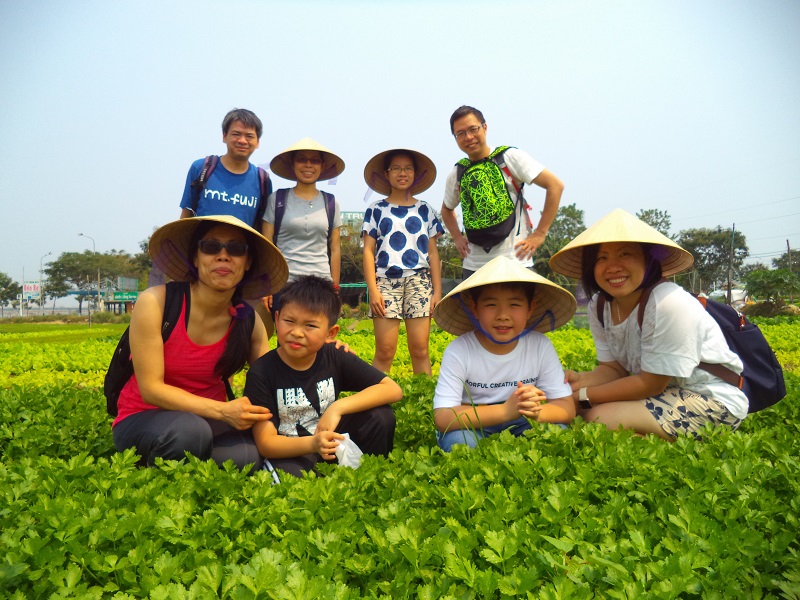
<point>577,513</point>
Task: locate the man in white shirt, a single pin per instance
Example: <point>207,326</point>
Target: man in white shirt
<point>469,128</point>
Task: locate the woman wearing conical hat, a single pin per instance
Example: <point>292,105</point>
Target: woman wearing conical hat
<point>304,222</point>
<point>175,402</point>
<point>650,335</point>
<point>401,261</point>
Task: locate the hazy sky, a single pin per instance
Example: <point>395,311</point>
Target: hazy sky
<point>682,105</point>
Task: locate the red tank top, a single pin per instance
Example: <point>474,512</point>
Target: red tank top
<point>186,365</point>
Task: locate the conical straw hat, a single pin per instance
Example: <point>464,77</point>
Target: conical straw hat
<point>375,172</point>
<point>620,226</point>
<point>170,251</point>
<point>449,313</point>
<point>282,165</point>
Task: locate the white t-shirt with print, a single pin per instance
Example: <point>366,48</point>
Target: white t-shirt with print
<point>471,374</point>
<point>676,335</point>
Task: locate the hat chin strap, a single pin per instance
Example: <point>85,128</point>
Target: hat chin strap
<point>476,324</point>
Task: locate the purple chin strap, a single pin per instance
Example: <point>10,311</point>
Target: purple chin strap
<point>658,253</point>
<point>476,324</point>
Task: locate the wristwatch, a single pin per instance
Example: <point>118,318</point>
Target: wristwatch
<point>583,399</point>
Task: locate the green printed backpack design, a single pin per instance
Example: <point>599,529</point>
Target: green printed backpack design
<point>488,208</point>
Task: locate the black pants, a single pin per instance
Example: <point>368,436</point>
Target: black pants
<point>371,430</point>
<point>169,434</point>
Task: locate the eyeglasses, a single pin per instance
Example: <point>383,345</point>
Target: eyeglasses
<point>471,130</point>
<point>307,159</point>
<point>234,247</point>
<point>397,169</point>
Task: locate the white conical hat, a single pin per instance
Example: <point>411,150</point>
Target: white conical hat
<point>170,251</point>
<point>620,226</point>
<point>282,166</point>
<point>375,172</point>
<point>449,313</point>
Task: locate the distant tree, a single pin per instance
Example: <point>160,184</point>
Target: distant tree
<point>352,269</point>
<point>57,289</point>
<point>142,263</point>
<point>450,257</point>
<point>567,225</point>
<point>771,286</point>
<point>711,249</point>
<point>658,219</point>
<point>9,290</point>
<point>782,262</point>
<point>75,270</point>
<point>745,269</point>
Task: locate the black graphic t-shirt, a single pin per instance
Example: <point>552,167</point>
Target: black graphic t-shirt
<point>297,399</point>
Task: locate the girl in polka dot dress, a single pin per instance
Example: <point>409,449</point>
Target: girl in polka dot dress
<point>401,262</point>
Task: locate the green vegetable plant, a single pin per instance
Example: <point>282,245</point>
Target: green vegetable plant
<point>577,513</point>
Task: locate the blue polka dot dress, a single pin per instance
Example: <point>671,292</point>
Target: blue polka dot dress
<point>401,236</point>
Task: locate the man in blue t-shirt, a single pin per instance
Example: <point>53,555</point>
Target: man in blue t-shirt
<point>233,187</point>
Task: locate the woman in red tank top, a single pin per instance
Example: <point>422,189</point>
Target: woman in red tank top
<point>176,402</point>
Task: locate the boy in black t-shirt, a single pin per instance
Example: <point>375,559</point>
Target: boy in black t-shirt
<point>301,380</point>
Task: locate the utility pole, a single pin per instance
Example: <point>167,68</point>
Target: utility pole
<point>41,287</point>
<point>730,264</point>
<point>89,285</point>
<point>789,256</point>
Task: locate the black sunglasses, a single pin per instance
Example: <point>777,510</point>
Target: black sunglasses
<point>234,247</point>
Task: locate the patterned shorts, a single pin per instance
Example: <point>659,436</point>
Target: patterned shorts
<point>680,411</point>
<point>407,297</point>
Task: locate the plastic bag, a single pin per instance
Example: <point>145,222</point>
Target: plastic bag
<point>348,453</point>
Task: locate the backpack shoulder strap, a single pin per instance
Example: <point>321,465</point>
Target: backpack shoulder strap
<point>209,164</point>
<point>644,298</point>
<point>718,370</point>
<point>498,158</point>
<point>280,209</point>
<point>601,304</point>
<point>265,187</point>
<point>497,154</point>
<point>173,303</point>
<point>330,210</point>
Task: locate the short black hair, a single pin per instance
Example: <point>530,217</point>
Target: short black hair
<point>463,111</point>
<point>246,117</point>
<point>652,269</point>
<point>314,294</point>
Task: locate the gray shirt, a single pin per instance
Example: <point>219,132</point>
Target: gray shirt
<point>303,237</point>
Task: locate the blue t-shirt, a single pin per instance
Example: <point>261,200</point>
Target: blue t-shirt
<point>225,193</point>
<point>401,234</point>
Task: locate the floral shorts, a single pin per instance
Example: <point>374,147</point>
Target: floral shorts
<point>680,411</point>
<point>407,297</point>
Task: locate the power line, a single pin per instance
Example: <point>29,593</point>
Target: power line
<point>772,237</point>
<point>739,209</point>
<point>769,218</point>
<point>765,255</point>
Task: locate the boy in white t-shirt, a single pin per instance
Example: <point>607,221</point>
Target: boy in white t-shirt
<point>501,371</point>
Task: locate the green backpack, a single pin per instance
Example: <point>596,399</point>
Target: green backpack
<point>488,206</point>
